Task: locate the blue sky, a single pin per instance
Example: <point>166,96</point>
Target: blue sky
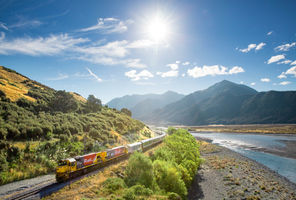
<point>113,48</point>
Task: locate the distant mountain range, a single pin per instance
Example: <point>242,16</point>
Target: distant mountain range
<point>223,103</point>
<point>142,105</point>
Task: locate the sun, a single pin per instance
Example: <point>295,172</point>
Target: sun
<point>157,29</point>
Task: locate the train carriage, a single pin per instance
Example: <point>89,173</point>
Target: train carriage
<point>137,146</point>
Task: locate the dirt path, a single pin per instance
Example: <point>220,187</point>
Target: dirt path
<point>228,175</point>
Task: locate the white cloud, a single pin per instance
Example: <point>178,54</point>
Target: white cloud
<point>213,70</point>
<point>52,45</point>
<point>236,69</point>
<point>249,48</point>
<point>282,75</point>
<point>269,33</point>
<point>94,75</point>
<point>253,46</point>
<point>140,44</point>
<point>265,80</point>
<point>26,23</point>
<point>253,84</point>
<point>275,58</point>
<point>2,36</point>
<point>291,71</point>
<point>109,25</point>
<point>112,53</point>
<point>285,83</point>
<point>185,63</point>
<point>134,76</point>
<point>171,73</point>
<point>183,75</point>
<point>285,47</point>
<point>59,77</point>
<point>293,63</point>
<point>284,62</point>
<point>2,25</point>
<point>111,49</point>
<point>260,46</point>
<point>173,66</point>
<point>134,63</point>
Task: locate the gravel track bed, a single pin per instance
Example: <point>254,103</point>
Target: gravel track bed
<point>24,184</point>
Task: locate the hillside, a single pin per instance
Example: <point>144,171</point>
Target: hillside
<point>39,125</point>
<point>228,103</point>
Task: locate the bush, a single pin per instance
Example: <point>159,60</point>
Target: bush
<point>168,178</point>
<point>141,190</point>
<point>139,170</point>
<point>3,163</point>
<point>171,130</point>
<point>129,194</point>
<point>174,196</point>
<point>111,185</point>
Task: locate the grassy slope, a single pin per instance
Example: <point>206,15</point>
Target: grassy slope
<point>32,140</point>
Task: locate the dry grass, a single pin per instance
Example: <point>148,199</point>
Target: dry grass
<point>12,86</point>
<point>206,147</point>
<point>78,97</point>
<point>217,162</point>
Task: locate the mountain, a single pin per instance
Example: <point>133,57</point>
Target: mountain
<point>148,105</point>
<point>129,101</point>
<point>143,105</point>
<point>228,103</point>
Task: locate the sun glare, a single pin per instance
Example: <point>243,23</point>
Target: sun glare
<point>158,29</point>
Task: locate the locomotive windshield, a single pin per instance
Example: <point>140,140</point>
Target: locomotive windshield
<point>62,163</point>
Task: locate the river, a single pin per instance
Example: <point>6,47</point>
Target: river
<point>277,152</point>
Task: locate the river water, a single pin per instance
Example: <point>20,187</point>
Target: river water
<point>256,146</point>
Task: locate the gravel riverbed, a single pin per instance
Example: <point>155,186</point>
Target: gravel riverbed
<point>225,174</point>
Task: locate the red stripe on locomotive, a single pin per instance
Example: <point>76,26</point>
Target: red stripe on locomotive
<point>89,159</point>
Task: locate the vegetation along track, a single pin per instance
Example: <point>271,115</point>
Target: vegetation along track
<point>48,187</point>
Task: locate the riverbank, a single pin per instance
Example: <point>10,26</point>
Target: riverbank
<point>247,128</point>
<point>226,174</point>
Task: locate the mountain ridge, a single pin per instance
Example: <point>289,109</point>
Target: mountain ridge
<point>224,102</point>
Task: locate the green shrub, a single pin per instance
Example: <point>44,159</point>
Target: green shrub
<point>139,170</point>
<point>174,196</point>
<point>168,178</point>
<point>111,185</point>
<point>129,194</point>
<point>141,190</point>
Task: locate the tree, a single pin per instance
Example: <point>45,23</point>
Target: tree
<point>63,102</point>
<point>126,111</point>
<point>93,104</point>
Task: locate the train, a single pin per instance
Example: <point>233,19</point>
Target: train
<point>79,165</point>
